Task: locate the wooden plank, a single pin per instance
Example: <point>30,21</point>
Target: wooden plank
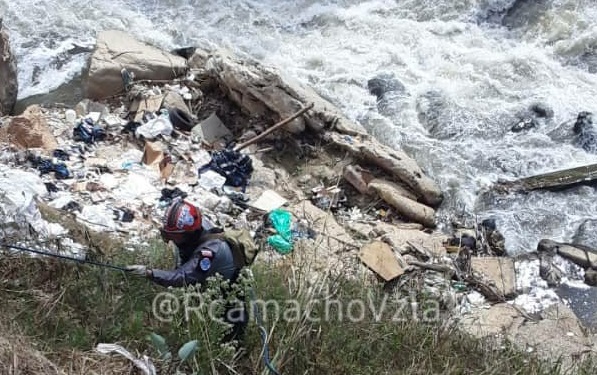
<point>561,179</point>
<point>379,256</point>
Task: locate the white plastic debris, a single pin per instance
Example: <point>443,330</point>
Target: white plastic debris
<point>71,116</point>
<point>136,186</point>
<point>109,181</point>
<point>17,192</point>
<point>125,160</point>
<point>61,200</point>
<point>211,180</point>
<point>143,364</point>
<point>155,127</point>
<point>98,217</point>
<point>201,158</point>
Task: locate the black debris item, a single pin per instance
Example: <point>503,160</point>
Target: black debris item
<point>169,194</point>
<point>233,165</point>
<point>46,166</point>
<point>61,154</point>
<point>88,132</point>
<point>72,206</point>
<point>489,224</point>
<point>186,52</point>
<point>131,127</point>
<point>524,124</point>
<point>180,119</point>
<point>51,187</point>
<point>463,241</point>
<point>123,214</point>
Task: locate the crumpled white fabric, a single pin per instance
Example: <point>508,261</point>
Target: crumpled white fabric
<point>143,364</point>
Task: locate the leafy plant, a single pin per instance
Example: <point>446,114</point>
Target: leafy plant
<point>185,353</point>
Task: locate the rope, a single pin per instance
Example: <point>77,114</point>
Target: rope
<point>65,257</point>
<point>263,333</point>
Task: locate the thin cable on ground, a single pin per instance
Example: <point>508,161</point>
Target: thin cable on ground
<point>263,333</point>
<point>64,257</point>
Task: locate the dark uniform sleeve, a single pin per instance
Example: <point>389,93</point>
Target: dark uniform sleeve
<point>190,272</point>
<point>187,274</point>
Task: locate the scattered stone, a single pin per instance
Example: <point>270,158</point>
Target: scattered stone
<point>591,277</point>
<point>499,270</point>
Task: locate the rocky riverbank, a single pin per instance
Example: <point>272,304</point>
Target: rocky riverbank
<point>155,124</point>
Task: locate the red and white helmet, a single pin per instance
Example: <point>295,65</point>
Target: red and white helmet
<point>181,217</point>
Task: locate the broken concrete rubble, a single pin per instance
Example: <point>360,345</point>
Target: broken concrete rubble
<point>264,91</point>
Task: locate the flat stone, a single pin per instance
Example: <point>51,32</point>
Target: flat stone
<point>499,270</point>
<point>574,254</point>
<point>490,322</point>
<point>331,236</point>
<point>400,234</point>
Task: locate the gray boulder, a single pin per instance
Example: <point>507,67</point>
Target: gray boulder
<point>116,50</point>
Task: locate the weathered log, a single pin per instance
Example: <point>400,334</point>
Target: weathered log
<point>400,165</point>
<point>273,128</point>
<point>405,206</point>
<point>556,180</point>
<point>443,268</point>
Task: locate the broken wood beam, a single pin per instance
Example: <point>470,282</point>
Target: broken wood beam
<point>557,180</point>
<point>274,127</point>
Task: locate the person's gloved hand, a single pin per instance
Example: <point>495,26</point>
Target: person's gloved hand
<point>138,269</point>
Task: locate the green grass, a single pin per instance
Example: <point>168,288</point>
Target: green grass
<point>64,306</point>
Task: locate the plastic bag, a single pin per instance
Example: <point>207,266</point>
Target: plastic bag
<point>282,222</point>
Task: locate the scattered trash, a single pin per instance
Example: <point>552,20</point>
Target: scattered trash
<point>87,131</point>
<point>233,165</point>
<point>168,195</point>
<point>123,214</point>
<point>268,201</point>
<point>160,125</point>
<point>210,180</point>
<point>71,116</point>
<point>326,198</point>
<point>180,119</point>
<point>144,364</point>
<point>212,129</point>
<point>46,166</point>
<point>61,155</point>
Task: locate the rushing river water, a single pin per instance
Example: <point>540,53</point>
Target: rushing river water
<point>468,68</point>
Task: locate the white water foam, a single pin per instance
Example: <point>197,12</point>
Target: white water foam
<point>482,73</point>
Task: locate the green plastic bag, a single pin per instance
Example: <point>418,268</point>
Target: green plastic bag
<point>282,222</point>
